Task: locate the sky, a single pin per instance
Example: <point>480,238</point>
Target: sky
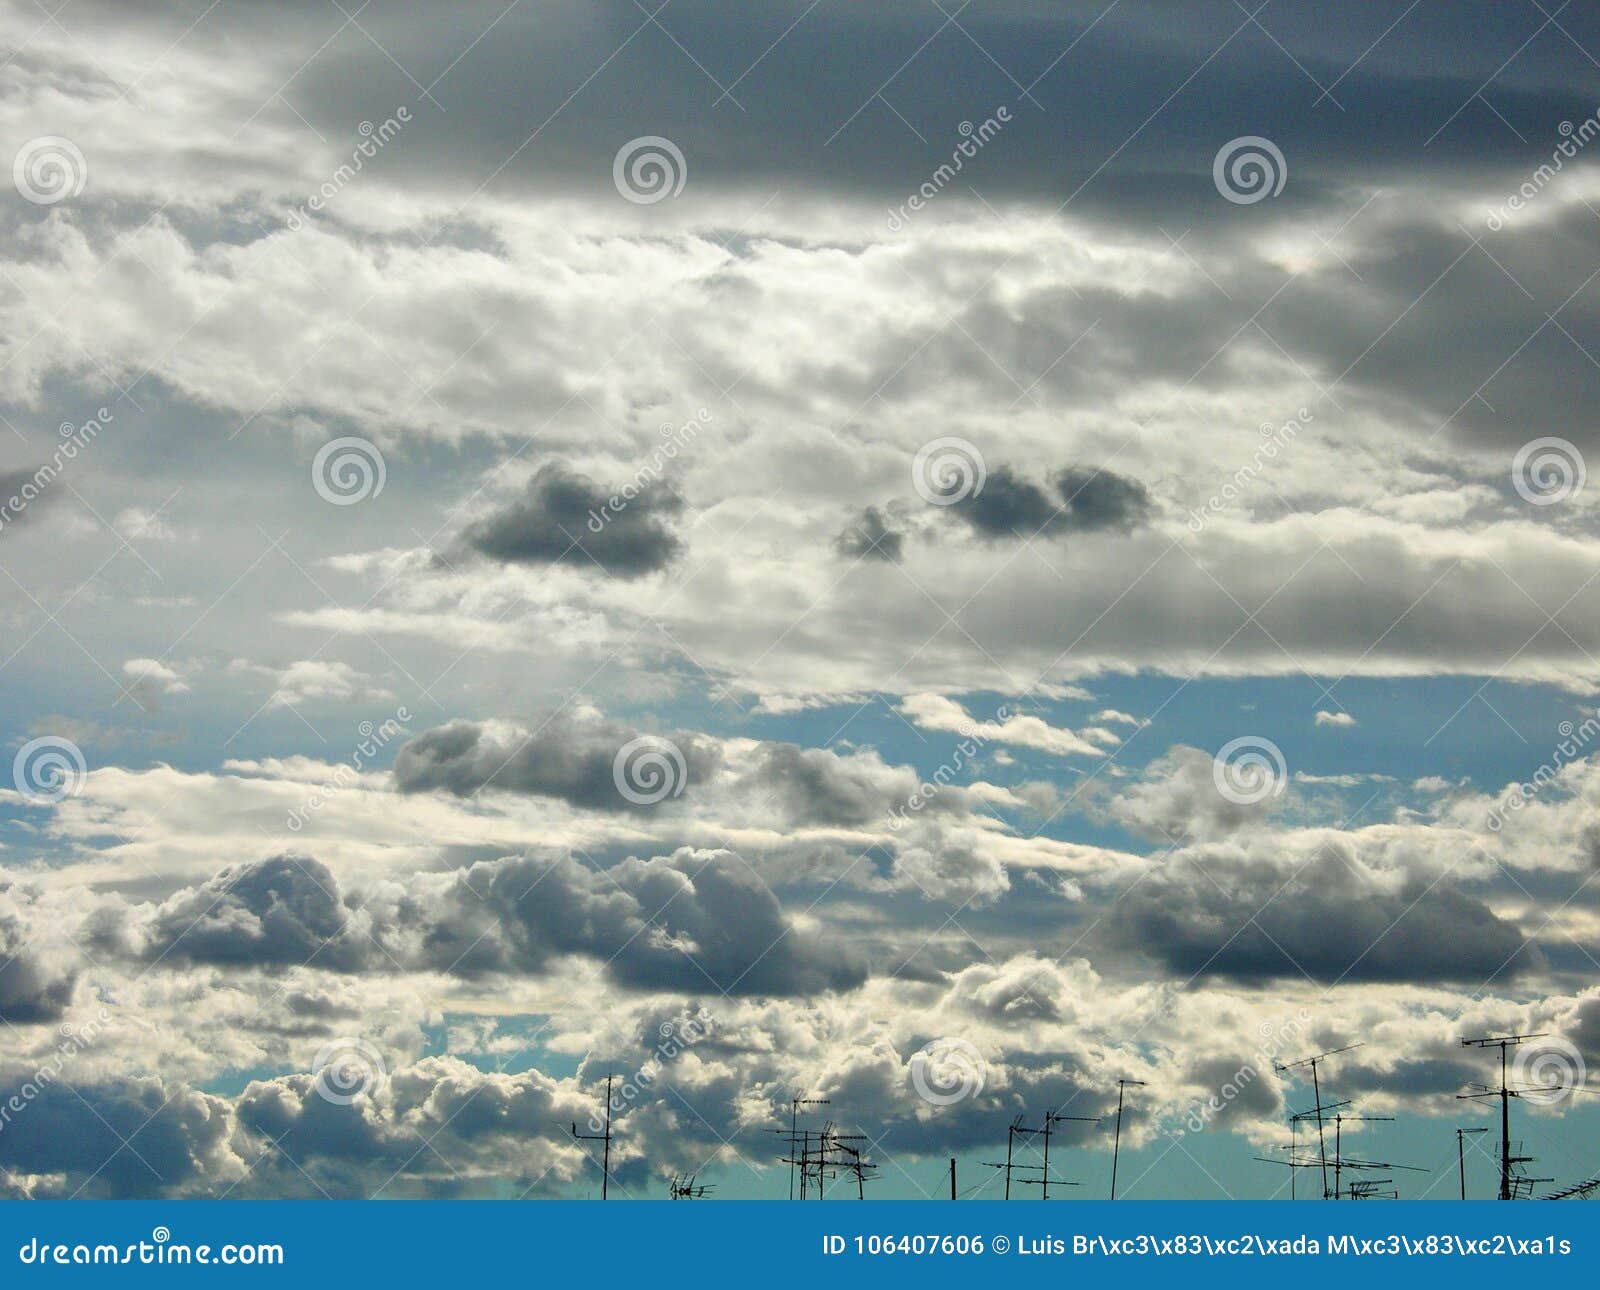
<point>935,556</point>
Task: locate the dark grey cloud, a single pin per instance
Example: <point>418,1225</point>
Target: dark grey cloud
<point>1220,916</point>
<point>121,1138</point>
<point>565,517</point>
<point>1081,500</point>
<point>815,786</point>
<point>869,537</point>
<point>564,757</point>
<point>284,911</point>
<point>700,923</point>
<point>694,922</point>
<point>30,988</point>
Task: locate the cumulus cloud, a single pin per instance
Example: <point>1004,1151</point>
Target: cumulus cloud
<point>566,518</point>
<point>869,537</point>
<point>1085,501</point>
<point>691,922</point>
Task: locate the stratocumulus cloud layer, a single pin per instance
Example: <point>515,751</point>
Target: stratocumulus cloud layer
<point>933,559</point>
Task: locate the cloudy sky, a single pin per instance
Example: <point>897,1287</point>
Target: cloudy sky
<point>936,556</point>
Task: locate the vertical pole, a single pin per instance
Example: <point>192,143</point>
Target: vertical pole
<point>1505,1128</point>
<point>1011,1133</point>
<point>1322,1142</point>
<point>605,1164</point>
<point>1116,1142</point>
<point>1338,1153</point>
<point>1044,1187</point>
<point>952,1177</point>
<point>1461,1160</point>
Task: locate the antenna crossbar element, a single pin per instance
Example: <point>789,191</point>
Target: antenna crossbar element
<point>1319,1111</point>
<point>1515,1184</point>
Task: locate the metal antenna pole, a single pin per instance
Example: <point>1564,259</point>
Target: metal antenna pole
<point>795,1103</point>
<point>1509,1185</point>
<point>605,1137</point>
<point>1051,1119</point>
<point>1316,1091</point>
<point>1461,1155</point>
<point>1116,1140</point>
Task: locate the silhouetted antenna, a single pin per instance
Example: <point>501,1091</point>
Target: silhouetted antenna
<point>1116,1140</point>
<point>825,1153</point>
<point>1515,1184</point>
<point>684,1187</point>
<point>1461,1155</point>
<point>1051,1119</point>
<point>795,1142</point>
<point>1023,1174</point>
<point>1361,1188</point>
<point>605,1137</point>
<point>1319,1111</point>
<point>1578,1191</point>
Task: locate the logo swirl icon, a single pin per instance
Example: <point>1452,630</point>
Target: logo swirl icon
<point>1249,770</point>
<point>1248,169</point>
<point>649,769</point>
<point>49,770</point>
<point>948,470</point>
<point>345,1069</point>
<point>947,1071</point>
<point>1546,471</point>
<point>349,470</point>
<point>49,169</point>
<point>649,169</point>
<point>1549,1070</point>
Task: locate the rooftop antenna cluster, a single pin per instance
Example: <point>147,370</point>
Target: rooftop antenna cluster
<point>1515,1184</point>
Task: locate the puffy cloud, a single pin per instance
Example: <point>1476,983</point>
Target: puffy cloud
<point>35,984</point>
<point>869,537</point>
<point>691,922</point>
<point>581,759</point>
<point>566,518</point>
<point>1087,501</point>
<point>1332,918</point>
